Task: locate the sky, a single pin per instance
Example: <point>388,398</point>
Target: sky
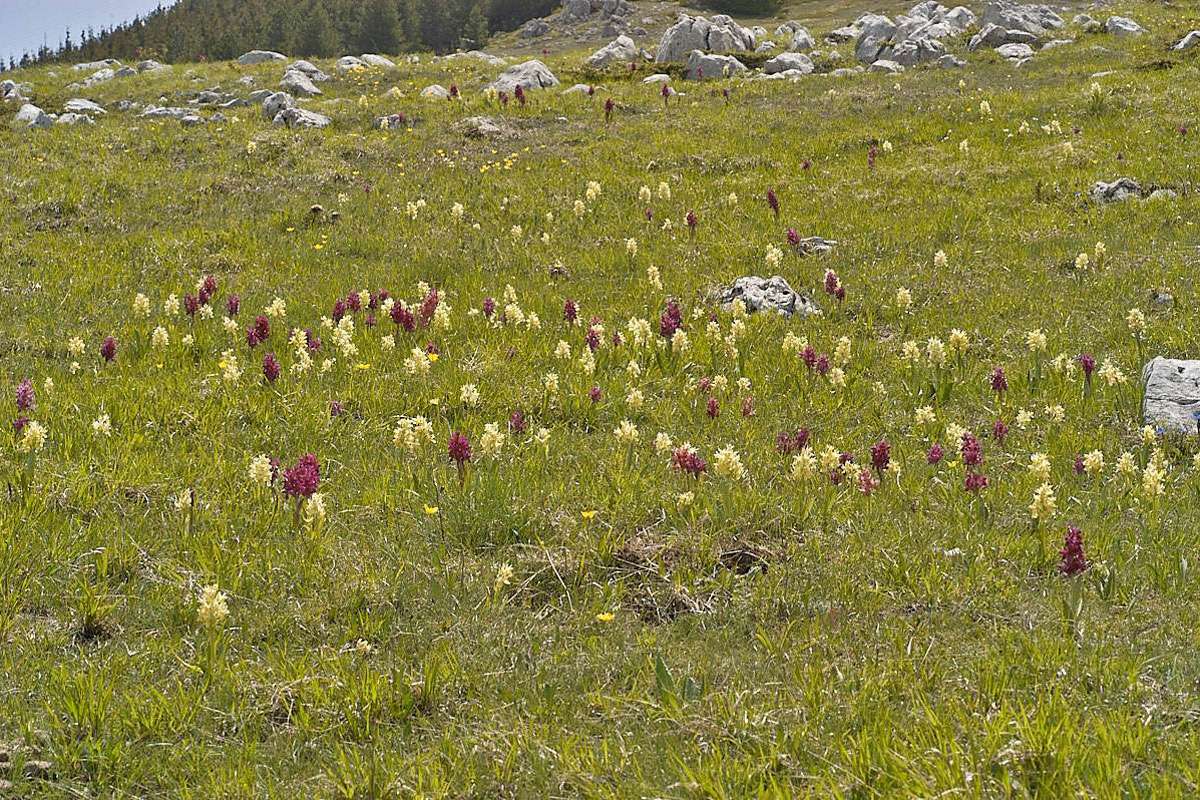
<point>25,23</point>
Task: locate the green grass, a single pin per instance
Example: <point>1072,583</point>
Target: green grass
<point>778,637</point>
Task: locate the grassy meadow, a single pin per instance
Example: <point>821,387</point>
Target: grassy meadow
<point>656,574</point>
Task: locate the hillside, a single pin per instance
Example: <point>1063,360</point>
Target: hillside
<point>708,419</point>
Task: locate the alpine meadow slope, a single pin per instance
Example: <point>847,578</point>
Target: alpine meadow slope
<point>451,446</point>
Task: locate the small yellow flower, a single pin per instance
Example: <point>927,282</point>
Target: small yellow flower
<point>605,616</point>
<point>431,510</point>
<point>588,516</point>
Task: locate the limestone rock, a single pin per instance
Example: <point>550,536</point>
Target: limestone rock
<point>720,35</point>
<point>529,75</point>
<point>297,83</point>
<point>785,62</point>
<point>708,66</point>
<point>301,118</point>
<point>1171,395</point>
<point>767,294</point>
<point>260,57</point>
<point>1123,26</point>
<point>621,50</point>
<point>30,116</point>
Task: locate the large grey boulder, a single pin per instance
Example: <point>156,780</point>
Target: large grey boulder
<point>788,61</point>
<point>621,50</point>
<point>99,76</point>
<point>708,66</point>
<point>277,102</point>
<point>436,92</point>
<point>30,116</point>
<point>1171,395</point>
<point>74,119</point>
<point>991,35</point>
<point>802,41</point>
<point>1089,23</point>
<point>308,68</point>
<point>80,106</point>
<point>1116,191</point>
<point>911,52</point>
<point>766,294</point>
<point>534,29</point>
<point>260,57</point>
<point>529,75</point>
<point>376,61</point>
<point>1036,19</point>
<point>297,83</point>
<point>719,35</point>
<point>1015,52</point>
<point>576,10</point>
<point>1123,26</point>
<point>301,118</point>
<point>1187,42</point>
<point>874,38</point>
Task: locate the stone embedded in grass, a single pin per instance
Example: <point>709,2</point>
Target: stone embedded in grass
<point>297,83</point>
<point>1035,19</point>
<point>301,118</point>
<point>38,770</point>
<point>99,76</point>
<point>621,50</point>
<point>166,112</point>
<point>150,65</point>
<point>92,66</point>
<point>276,103</point>
<point>706,66</point>
<point>993,36</point>
<point>80,106</point>
<point>308,68</point>
<point>785,62</point>
<point>1014,51</point>
<point>1088,23</point>
<point>30,116</point>
<point>376,61</point>
<point>484,128</point>
<point>886,66</point>
<point>71,118</point>
<point>1123,26</point>
<point>1171,397</point>
<point>528,75</point>
<point>1116,191</point>
<point>436,92</point>
<point>766,294</point>
<point>260,57</point>
<point>1187,42</point>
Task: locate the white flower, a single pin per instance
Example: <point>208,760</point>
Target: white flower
<point>626,432</point>
<point>213,607</point>
<point>468,395</point>
<point>260,472</point>
<point>102,425</point>
<point>141,305</point>
<point>728,464</point>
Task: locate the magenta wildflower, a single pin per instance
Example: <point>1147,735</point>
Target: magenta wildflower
<point>25,398</point>
<point>666,94</point>
<point>454,91</point>
<point>369,320</point>
<point>975,482</point>
<point>504,99</point>
<point>793,238</point>
<point>832,282</point>
<point>867,482</point>
<point>270,367</point>
<point>1073,561</point>
<point>649,212</point>
<point>686,460</point>
<point>489,307</point>
<point>773,202</point>
<point>999,431</point>
<point>692,221</point>
<point>704,385</point>
<point>809,356</point>
<point>403,317</point>
<point>881,456</point>
<point>570,311</point>
<point>999,380</point>
<point>822,364</point>
<point>108,348</point>
<point>339,310</point>
<point>1078,465</point>
<point>233,304</point>
<point>872,151</point>
<point>459,450</point>
<point>788,443</point>
<point>935,454</point>
<point>19,424</point>
<point>747,406</point>
<point>208,288</point>
<point>354,302</point>
<point>428,307</point>
<point>609,105</point>
<point>516,423</point>
<point>519,93</point>
<point>972,450</point>
<point>191,304</point>
<point>262,328</point>
<point>304,478</point>
<point>671,320</point>
<point>336,409</point>
<point>252,337</point>
<point>594,394</point>
<point>713,408</point>
<point>592,339</point>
